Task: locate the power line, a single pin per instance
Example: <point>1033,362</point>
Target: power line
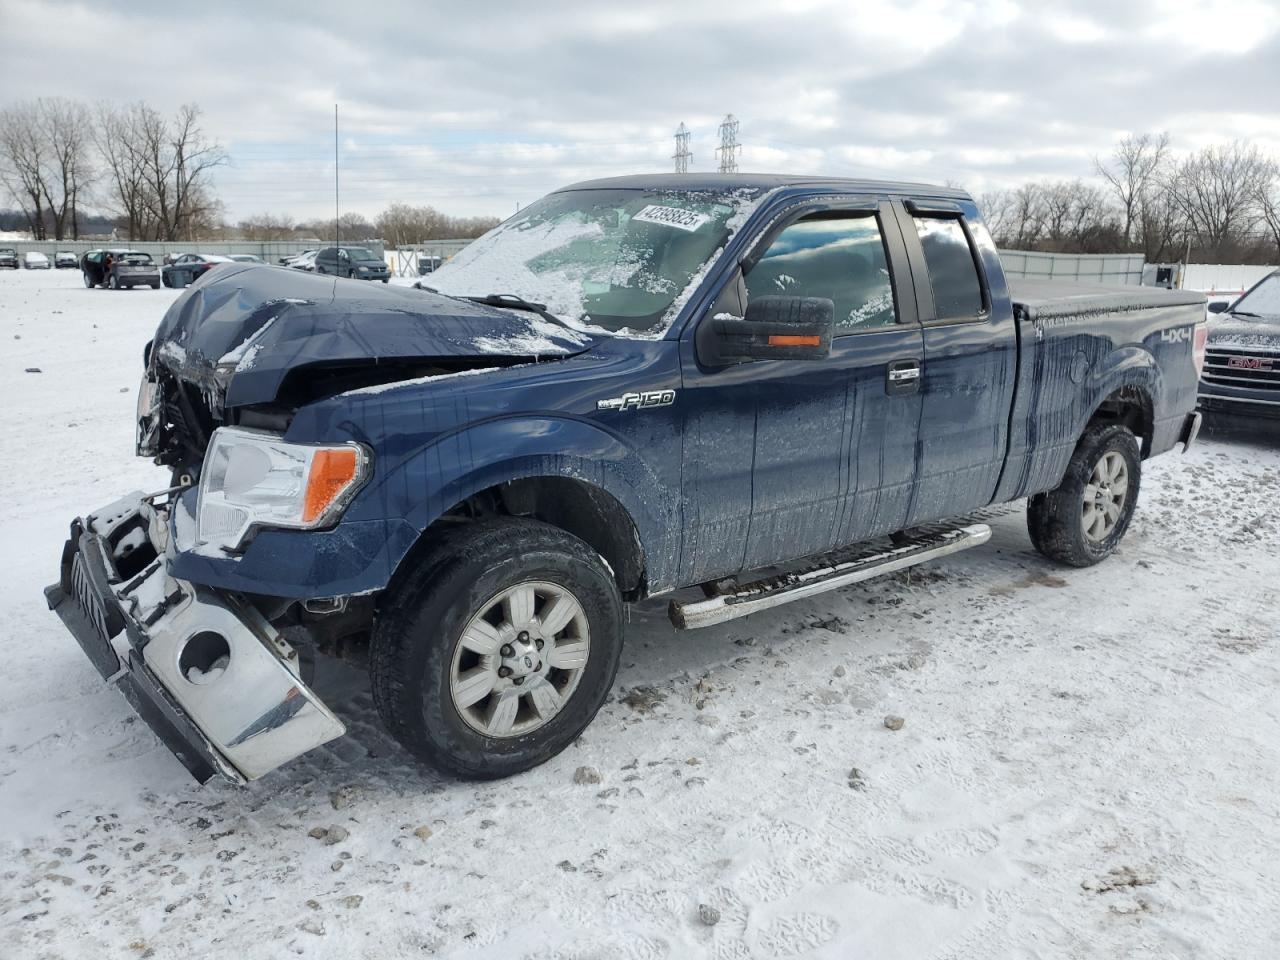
<point>683,155</point>
<point>729,147</point>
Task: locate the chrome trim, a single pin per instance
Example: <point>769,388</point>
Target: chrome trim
<point>257,714</point>
<point>705,613</point>
<point>906,373</point>
<point>1218,396</point>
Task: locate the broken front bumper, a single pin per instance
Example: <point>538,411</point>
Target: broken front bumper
<point>209,674</point>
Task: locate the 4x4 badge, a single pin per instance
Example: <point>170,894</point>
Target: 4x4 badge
<point>638,401</point>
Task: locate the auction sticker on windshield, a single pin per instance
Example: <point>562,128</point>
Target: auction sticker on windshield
<point>677,217</point>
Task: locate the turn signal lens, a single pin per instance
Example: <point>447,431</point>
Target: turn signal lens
<point>793,340</point>
<point>1199,346</point>
<point>332,474</point>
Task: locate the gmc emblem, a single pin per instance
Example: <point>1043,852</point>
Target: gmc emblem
<point>1250,363</point>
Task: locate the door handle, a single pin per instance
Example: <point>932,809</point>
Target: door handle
<point>902,376</point>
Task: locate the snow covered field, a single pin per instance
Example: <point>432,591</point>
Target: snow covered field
<point>1088,765</point>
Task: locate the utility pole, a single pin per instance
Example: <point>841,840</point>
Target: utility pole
<point>336,215</point>
<point>682,156</point>
<point>729,146</point>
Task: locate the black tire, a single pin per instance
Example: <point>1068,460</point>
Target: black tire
<point>1056,519</point>
<point>420,621</point>
<point>166,281</point>
<point>154,286</point>
<point>88,280</point>
<point>113,283</point>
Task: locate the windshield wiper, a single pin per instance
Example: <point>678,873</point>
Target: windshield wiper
<point>1244,313</point>
<point>517,303</point>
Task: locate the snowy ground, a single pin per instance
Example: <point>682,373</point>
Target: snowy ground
<point>1088,765</point>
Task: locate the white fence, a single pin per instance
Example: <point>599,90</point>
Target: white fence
<point>1103,268</point>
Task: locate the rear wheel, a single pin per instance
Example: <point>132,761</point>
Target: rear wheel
<point>113,283</point>
<point>497,650</point>
<point>1084,519</point>
<point>88,280</point>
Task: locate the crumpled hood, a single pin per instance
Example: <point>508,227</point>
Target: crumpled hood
<point>241,329</point>
<point>1258,333</point>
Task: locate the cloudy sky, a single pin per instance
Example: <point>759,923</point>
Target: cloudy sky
<point>478,107</point>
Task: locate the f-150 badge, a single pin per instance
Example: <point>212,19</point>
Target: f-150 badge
<point>638,401</point>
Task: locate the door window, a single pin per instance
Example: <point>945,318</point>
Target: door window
<point>953,270</point>
<point>838,257</point>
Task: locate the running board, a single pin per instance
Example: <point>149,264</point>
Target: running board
<point>839,571</point>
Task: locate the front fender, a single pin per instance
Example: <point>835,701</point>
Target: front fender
<point>424,484</point>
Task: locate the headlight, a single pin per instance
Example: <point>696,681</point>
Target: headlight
<point>363,269</point>
<point>252,478</point>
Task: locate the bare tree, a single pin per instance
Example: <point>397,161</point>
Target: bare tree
<point>1133,168</point>
<point>23,163</point>
<point>67,133</point>
<point>1268,203</point>
<point>401,223</point>
<point>1217,189</point>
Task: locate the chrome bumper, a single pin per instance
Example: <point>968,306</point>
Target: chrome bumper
<point>206,671</point>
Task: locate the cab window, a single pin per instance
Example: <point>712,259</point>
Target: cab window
<point>839,257</point>
<point>953,268</point>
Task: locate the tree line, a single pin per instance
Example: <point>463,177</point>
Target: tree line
<point>1220,204</point>
<point>149,172</point>
<point>65,164</point>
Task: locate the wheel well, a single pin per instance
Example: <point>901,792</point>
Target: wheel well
<point>1132,407</point>
<point>574,506</point>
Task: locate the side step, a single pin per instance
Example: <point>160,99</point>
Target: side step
<point>838,570</point>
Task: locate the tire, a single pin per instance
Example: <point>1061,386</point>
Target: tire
<point>166,281</point>
<point>1067,528</point>
<point>321,270</point>
<point>88,281</point>
<point>113,283</point>
<point>154,286</point>
<point>386,280</point>
<point>417,657</point>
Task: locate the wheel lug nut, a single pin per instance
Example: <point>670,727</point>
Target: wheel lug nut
<point>504,671</point>
<point>518,680</point>
<point>506,650</point>
<point>540,644</point>
<point>524,636</point>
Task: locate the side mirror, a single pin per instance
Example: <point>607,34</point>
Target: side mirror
<point>1219,306</point>
<point>775,328</point>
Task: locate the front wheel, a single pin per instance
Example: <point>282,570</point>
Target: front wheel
<point>113,283</point>
<point>88,281</point>
<point>1085,517</point>
<point>495,652</point>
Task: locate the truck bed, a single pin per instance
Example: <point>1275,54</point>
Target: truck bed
<point>1044,299</point>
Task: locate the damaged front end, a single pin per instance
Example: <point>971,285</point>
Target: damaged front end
<point>184,599</point>
<point>211,676</point>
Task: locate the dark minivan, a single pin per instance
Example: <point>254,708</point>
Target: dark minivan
<point>359,263</point>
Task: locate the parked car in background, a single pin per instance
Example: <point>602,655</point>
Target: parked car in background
<point>359,263</point>
<point>189,267</point>
<point>289,259</point>
<point>35,260</point>
<point>65,260</point>
<point>827,374</point>
<point>119,269</point>
<point>1242,362</point>
<point>244,258</point>
<point>428,263</point>
<point>304,261</point>
<point>9,258</point>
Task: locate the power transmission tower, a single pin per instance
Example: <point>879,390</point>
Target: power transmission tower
<point>682,156</point>
<point>729,146</point>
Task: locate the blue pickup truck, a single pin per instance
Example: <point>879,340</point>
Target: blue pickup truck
<point>632,387</point>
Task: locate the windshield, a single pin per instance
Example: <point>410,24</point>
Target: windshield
<point>359,253</point>
<point>613,259</point>
<point>1264,299</point>
<point>136,259</point>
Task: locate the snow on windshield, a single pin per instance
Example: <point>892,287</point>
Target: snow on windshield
<point>1264,300</point>
<point>619,261</point>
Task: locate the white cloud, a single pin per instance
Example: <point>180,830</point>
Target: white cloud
<point>475,108</point>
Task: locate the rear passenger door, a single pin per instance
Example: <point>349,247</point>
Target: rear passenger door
<point>970,360</point>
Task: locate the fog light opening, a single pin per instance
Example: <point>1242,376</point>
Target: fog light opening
<point>204,658</point>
